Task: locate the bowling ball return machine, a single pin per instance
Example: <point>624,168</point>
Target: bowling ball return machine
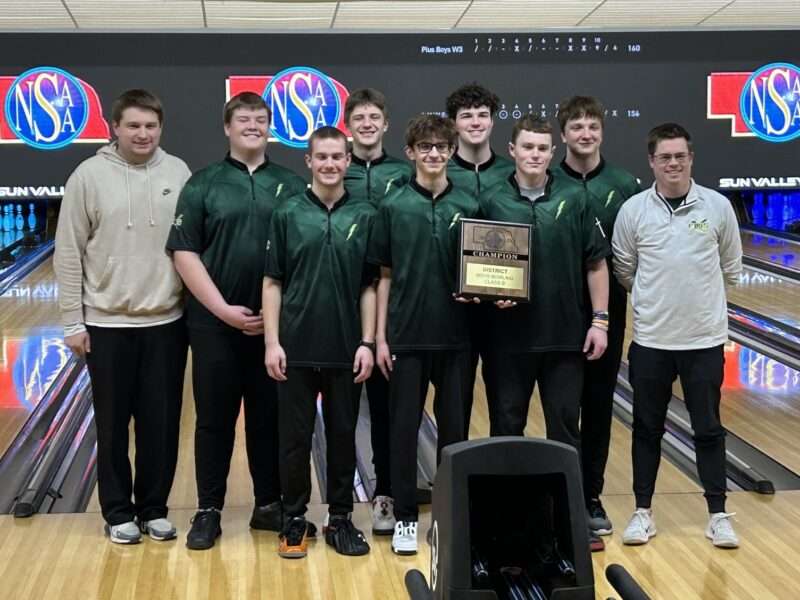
<point>508,523</point>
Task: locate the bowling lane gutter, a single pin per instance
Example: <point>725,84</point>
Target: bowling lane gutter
<point>771,337</point>
<point>31,467</point>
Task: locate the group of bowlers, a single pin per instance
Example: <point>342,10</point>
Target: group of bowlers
<point>298,290</point>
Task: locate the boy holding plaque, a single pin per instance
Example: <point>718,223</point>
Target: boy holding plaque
<point>545,341</point>
<point>475,167</point>
<point>581,121</point>
<point>371,176</point>
<point>422,333</point>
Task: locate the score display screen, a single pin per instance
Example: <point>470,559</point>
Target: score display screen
<point>643,79</point>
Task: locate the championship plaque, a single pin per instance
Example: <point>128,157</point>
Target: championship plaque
<point>495,260</point>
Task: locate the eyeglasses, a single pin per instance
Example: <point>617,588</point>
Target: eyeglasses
<point>427,147</point>
<point>665,159</point>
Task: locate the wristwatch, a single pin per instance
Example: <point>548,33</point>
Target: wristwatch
<point>371,345</point>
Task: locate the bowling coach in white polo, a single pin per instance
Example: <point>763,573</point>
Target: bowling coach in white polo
<point>675,246</point>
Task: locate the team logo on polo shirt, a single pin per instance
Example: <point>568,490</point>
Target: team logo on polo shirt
<point>764,103</point>
<point>301,100</point>
<point>699,226</point>
<point>48,108</point>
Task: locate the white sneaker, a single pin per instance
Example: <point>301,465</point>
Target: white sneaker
<point>404,540</point>
<point>124,533</point>
<point>159,529</point>
<point>720,531</point>
<point>383,521</point>
<point>640,528</point>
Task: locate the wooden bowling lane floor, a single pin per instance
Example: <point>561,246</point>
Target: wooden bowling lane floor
<point>32,302</point>
<point>768,294</point>
<point>67,557</point>
<point>780,251</point>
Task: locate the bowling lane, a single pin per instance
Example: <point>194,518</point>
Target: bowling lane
<point>760,401</point>
<point>32,350</point>
<point>768,294</point>
<point>771,249</point>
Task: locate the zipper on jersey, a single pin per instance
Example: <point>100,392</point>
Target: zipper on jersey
<point>328,235</point>
<point>369,187</point>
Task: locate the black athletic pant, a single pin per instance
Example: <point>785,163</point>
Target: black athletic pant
<point>560,378</point>
<point>378,396</point>
<point>412,372</point>
<point>297,408</point>
<point>652,372</point>
<point>480,344</point>
<point>226,367</point>
<point>136,372</point>
<point>597,401</point>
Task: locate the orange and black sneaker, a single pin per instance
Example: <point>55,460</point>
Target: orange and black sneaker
<point>596,543</point>
<point>293,540</point>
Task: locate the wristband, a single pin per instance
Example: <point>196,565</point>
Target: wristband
<point>371,345</point>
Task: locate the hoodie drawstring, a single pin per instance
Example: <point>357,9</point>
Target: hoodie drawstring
<point>128,192</point>
<point>149,195</point>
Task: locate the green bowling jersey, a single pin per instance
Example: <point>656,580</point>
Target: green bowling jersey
<point>223,215</point>
<point>608,187</point>
<point>566,236</point>
<point>319,257</point>
<point>478,178</point>
<point>417,238</point>
<point>372,181</point>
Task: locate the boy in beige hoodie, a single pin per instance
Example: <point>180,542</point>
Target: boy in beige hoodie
<point>121,307</point>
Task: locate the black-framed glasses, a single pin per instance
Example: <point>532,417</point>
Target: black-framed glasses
<point>665,159</point>
<point>427,147</point>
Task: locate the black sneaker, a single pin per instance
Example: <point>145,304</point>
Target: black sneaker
<point>269,517</point>
<point>597,519</point>
<point>205,529</point>
<point>344,537</point>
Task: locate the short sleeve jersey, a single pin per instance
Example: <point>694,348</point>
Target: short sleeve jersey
<point>372,181</point>
<point>566,236</point>
<point>223,215</point>
<point>476,179</point>
<point>608,187</point>
<point>416,236</point>
<point>319,256</point>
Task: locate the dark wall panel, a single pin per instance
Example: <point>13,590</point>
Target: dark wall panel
<point>643,78</point>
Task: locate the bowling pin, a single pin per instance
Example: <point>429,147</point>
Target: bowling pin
<point>32,218</point>
<point>19,221</point>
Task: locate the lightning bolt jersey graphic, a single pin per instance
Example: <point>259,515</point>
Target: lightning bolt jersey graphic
<point>561,206</point>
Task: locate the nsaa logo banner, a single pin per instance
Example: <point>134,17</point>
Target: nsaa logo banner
<point>763,103</point>
<point>48,108</point>
<point>301,100</point>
